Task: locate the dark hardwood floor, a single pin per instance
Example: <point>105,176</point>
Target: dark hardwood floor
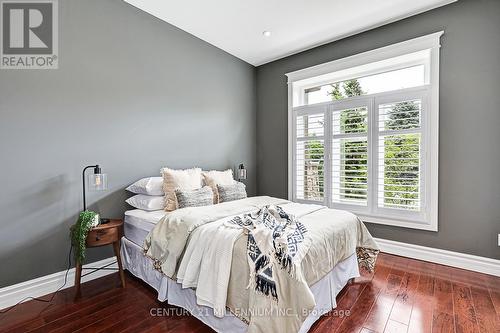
<point>403,295</point>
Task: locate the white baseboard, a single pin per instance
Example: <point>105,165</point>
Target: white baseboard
<point>48,284</point>
<point>449,258</point>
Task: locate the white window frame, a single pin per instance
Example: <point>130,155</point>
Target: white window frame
<point>300,80</point>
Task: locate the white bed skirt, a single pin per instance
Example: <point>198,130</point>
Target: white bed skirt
<point>325,290</point>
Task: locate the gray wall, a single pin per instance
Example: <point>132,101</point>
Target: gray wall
<point>469,188</point>
<point>131,93</point>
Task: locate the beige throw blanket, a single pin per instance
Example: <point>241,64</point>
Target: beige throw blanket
<point>335,235</point>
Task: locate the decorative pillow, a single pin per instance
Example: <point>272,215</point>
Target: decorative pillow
<point>194,198</point>
<point>189,179</point>
<point>147,202</point>
<point>231,192</point>
<point>148,186</point>
<point>214,178</point>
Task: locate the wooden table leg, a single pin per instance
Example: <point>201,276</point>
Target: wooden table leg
<point>78,277</point>
<point>116,248</point>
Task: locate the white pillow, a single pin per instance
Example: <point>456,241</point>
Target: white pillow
<point>213,178</point>
<point>189,179</point>
<point>148,185</point>
<point>147,202</point>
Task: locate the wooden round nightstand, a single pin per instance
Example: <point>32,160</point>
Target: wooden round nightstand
<point>104,234</point>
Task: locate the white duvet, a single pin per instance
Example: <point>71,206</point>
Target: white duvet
<point>208,258</point>
<point>198,249</point>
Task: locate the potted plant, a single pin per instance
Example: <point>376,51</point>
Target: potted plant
<point>79,231</point>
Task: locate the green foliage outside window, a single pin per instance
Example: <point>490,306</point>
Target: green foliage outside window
<point>315,152</point>
<point>402,157</point>
<point>354,152</point>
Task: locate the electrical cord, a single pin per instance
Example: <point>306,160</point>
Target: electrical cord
<point>53,295</point>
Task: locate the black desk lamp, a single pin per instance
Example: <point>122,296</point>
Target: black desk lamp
<point>98,181</point>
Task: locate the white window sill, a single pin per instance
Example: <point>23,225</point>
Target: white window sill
<point>429,226</point>
<point>384,220</point>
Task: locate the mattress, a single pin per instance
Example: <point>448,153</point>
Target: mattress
<point>138,223</point>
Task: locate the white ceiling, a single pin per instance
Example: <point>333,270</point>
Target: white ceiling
<point>236,26</point>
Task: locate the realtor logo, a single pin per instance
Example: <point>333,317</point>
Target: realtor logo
<point>28,34</point>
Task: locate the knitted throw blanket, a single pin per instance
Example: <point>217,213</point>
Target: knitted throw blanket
<point>275,239</point>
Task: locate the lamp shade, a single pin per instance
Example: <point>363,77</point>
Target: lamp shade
<point>242,172</point>
<point>98,182</point>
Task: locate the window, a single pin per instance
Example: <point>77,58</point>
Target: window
<point>310,157</point>
<point>363,134</point>
<point>393,80</point>
<point>350,156</point>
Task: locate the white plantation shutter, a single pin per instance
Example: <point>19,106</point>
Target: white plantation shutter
<point>309,157</point>
<point>363,134</point>
<point>399,155</point>
<point>350,156</point>
<point>366,155</point>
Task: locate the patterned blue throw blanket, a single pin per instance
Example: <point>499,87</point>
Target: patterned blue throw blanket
<point>275,239</point>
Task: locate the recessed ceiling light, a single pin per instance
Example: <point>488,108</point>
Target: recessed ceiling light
<point>266,33</point>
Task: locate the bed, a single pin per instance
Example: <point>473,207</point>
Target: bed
<point>324,276</point>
